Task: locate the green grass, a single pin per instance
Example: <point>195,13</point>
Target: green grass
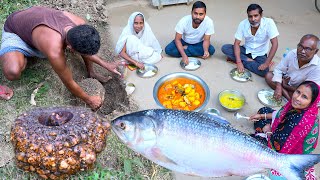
<point>11,171</point>
<point>37,71</point>
<point>9,6</point>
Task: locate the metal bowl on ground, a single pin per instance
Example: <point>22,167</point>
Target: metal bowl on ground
<point>231,100</point>
<point>193,65</point>
<point>212,111</point>
<point>130,87</point>
<point>176,75</point>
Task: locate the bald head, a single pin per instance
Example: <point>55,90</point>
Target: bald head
<point>312,37</point>
<point>307,48</point>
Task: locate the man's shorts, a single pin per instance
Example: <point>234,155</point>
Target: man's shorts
<point>12,42</point>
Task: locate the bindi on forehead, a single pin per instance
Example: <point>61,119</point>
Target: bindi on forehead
<point>306,89</point>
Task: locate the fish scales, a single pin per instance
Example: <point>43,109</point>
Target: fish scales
<point>202,132</point>
<point>196,144</point>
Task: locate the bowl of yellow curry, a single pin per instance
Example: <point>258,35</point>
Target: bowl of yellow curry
<point>181,91</point>
<point>231,100</point>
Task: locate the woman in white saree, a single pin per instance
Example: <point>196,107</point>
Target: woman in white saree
<point>137,43</point>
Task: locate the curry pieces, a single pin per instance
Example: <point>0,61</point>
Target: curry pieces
<point>182,94</point>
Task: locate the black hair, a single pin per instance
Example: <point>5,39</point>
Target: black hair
<point>199,4</point>
<point>252,7</point>
<point>85,39</point>
<point>314,89</point>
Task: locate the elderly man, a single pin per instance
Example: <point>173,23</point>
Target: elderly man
<point>299,65</point>
<point>256,31</point>
<point>45,32</point>
<point>193,34</point>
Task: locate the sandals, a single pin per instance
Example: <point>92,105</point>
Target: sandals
<point>5,93</point>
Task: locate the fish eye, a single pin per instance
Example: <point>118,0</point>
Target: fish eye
<point>122,125</point>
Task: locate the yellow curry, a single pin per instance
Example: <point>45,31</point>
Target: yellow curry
<point>232,101</point>
<point>181,93</point>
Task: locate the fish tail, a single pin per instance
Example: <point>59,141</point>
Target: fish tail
<point>294,166</point>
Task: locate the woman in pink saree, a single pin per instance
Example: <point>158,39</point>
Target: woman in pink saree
<point>294,128</point>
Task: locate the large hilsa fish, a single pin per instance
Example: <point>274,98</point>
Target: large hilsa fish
<point>196,144</point>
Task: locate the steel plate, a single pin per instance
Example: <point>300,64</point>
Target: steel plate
<point>193,65</point>
<point>240,77</point>
<point>149,71</point>
<point>265,96</point>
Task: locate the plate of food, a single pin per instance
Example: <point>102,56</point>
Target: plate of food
<point>149,71</point>
<point>240,77</point>
<point>193,65</point>
<point>265,96</point>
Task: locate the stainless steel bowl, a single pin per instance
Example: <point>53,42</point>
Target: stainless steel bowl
<point>235,93</point>
<point>212,111</point>
<point>184,75</point>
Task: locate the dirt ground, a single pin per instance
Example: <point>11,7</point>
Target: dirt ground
<point>294,18</point>
<point>116,99</point>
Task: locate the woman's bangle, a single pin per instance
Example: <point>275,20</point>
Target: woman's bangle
<point>265,116</point>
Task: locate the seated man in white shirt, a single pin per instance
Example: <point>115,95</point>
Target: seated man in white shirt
<point>193,34</point>
<point>256,31</point>
<point>299,65</point>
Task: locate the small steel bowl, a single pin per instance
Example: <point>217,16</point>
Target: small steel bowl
<point>233,93</point>
<point>130,87</point>
<point>183,75</point>
<point>212,111</point>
